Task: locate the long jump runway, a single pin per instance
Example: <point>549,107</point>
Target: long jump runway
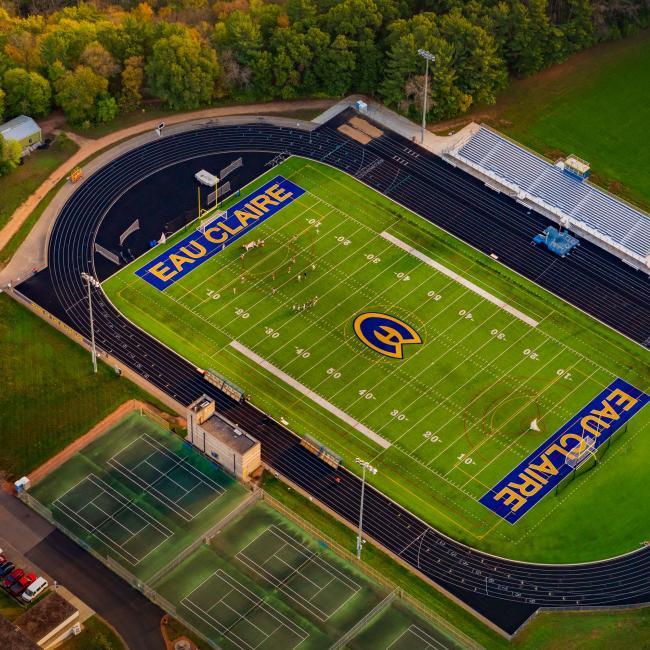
<point>505,592</point>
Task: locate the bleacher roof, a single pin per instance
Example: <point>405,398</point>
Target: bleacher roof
<point>601,214</point>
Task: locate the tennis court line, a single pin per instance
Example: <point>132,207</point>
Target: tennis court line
<point>460,279</point>
<point>149,488</point>
<point>308,556</point>
<point>428,641</point>
<point>252,598</point>
<point>301,388</point>
<point>93,530</point>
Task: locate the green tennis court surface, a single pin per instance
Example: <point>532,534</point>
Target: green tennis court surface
<point>263,583</point>
<point>139,495</point>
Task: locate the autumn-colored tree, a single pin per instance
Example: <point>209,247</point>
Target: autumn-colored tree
<point>79,93</point>
<point>183,72</point>
<point>132,77</point>
<point>10,154</point>
<point>100,60</point>
<point>27,93</point>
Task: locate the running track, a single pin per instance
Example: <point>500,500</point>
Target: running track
<point>506,592</point>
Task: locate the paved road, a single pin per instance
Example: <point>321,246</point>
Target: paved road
<point>127,610</point>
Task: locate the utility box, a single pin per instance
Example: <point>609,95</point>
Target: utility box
<point>361,106</point>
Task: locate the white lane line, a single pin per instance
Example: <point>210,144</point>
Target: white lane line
<point>460,279</point>
<point>382,442</point>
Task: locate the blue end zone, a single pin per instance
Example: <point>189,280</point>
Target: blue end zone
<point>184,256</point>
<point>536,476</point>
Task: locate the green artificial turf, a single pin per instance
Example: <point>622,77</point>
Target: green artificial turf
<point>456,412</point>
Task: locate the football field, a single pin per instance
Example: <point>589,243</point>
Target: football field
<point>379,335</point>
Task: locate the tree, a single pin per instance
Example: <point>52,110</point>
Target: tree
<point>27,93</point>
<point>66,40</point>
<point>183,72</point>
<point>100,60</point>
<point>333,68</point>
<point>106,108</point>
<point>132,77</point>
<point>2,104</point>
<point>10,154</point>
<point>79,92</point>
<point>22,48</point>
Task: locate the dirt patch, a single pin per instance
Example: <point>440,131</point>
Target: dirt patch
<point>98,430</point>
<point>360,137</point>
<point>366,127</point>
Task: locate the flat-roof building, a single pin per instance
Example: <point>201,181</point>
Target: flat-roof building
<point>234,449</point>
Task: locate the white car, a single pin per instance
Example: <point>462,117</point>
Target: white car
<point>37,587</point>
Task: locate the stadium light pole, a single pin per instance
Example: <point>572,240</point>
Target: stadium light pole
<point>427,56</point>
<point>91,282</point>
<point>373,470</point>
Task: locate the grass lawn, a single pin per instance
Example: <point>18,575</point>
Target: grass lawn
<point>50,395</point>
<point>9,607</point>
<point>96,635</point>
<point>549,631</point>
<point>444,424</point>
<point>594,105</point>
<point>175,629</point>
<point>17,186</point>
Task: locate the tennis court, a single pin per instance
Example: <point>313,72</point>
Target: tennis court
<point>415,637</point>
<point>138,494</point>
<point>299,572</point>
<point>166,476</point>
<point>118,522</point>
<point>241,616</point>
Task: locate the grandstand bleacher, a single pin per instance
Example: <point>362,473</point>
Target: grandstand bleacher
<point>579,205</point>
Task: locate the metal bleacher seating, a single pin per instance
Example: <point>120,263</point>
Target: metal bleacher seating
<point>607,218</point>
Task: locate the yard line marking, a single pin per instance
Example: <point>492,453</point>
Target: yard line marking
<point>460,279</point>
<point>301,388</point>
<point>582,383</point>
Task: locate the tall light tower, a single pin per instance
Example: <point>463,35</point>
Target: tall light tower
<point>91,282</point>
<point>372,470</point>
<point>427,56</point>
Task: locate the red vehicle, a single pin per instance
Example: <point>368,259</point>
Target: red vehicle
<point>16,574</point>
<point>21,584</point>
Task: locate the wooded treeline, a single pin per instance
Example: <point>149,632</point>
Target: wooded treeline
<point>94,60</point>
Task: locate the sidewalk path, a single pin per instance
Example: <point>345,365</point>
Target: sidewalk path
<point>90,147</point>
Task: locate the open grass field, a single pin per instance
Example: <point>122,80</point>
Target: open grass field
<point>262,582</point>
<point>17,186</point>
<point>138,494</point>
<point>50,395</point>
<point>500,365</point>
<point>594,105</point>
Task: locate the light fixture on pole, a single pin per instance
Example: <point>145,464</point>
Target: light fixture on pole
<point>373,470</point>
<point>91,282</point>
<point>427,56</point>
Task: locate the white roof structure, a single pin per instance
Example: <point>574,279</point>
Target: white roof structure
<point>577,204</point>
<point>206,178</point>
<point>19,128</point>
